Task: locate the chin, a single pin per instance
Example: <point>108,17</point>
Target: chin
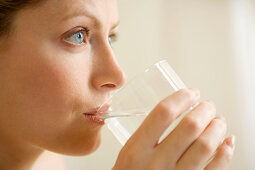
<point>74,145</point>
<point>89,147</point>
<point>82,147</point>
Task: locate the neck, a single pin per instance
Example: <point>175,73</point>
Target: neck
<point>17,155</point>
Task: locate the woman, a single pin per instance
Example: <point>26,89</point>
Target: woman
<point>58,67</point>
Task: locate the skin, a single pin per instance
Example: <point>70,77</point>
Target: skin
<point>189,146</point>
<point>49,83</point>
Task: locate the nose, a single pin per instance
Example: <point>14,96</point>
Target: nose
<point>107,74</point>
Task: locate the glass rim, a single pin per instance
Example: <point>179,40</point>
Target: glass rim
<point>133,78</point>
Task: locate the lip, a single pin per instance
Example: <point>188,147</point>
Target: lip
<point>95,117</point>
<point>104,110</point>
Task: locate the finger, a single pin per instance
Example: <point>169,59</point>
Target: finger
<point>188,130</point>
<point>148,134</point>
<point>204,147</point>
<point>223,155</point>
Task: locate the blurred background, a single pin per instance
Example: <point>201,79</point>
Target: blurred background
<point>211,46</point>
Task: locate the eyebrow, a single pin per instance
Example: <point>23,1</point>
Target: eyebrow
<point>91,16</point>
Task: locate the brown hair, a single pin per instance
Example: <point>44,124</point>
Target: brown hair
<point>8,10</point>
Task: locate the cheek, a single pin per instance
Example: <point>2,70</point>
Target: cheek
<point>46,100</point>
<point>43,94</point>
<point>52,90</point>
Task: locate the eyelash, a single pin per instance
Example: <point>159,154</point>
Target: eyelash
<point>114,37</point>
<point>86,31</point>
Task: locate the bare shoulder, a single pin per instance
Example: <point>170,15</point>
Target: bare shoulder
<point>49,160</point>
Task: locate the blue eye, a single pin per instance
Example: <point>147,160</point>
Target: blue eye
<point>77,38</point>
<point>110,40</point>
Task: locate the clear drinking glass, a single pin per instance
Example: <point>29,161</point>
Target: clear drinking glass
<point>131,104</point>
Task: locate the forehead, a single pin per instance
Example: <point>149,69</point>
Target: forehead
<point>99,10</point>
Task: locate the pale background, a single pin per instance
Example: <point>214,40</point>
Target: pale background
<point>210,44</point>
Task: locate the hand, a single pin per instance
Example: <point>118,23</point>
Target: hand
<point>188,147</point>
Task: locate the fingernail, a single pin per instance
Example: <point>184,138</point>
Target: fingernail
<point>196,90</point>
<point>231,142</point>
<point>220,116</point>
<point>212,102</point>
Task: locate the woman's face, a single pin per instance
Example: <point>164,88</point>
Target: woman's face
<point>56,65</point>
